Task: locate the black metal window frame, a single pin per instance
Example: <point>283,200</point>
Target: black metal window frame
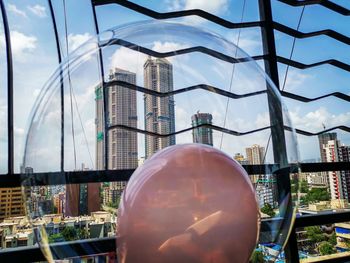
<point>271,59</point>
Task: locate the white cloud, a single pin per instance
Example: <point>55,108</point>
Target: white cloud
<point>128,59</point>
<point>262,120</point>
<point>21,45</point>
<point>214,7</point>
<point>38,10</point>
<point>133,61</point>
<point>18,131</point>
<point>295,79</point>
<point>174,5</point>
<point>36,92</point>
<point>167,46</point>
<point>13,8</point>
<point>75,40</point>
<point>249,41</point>
<point>3,120</point>
<point>313,121</point>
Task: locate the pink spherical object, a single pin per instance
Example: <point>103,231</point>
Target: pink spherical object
<point>188,203</point>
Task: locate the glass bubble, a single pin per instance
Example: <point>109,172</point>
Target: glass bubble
<point>161,84</point>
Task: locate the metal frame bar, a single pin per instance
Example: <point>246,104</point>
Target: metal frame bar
<point>177,14</point>
<point>325,3</point>
<point>65,250</point>
<point>276,118</point>
<point>10,134</point>
<point>59,57</point>
<point>105,95</point>
<point>106,245</point>
<point>76,177</point>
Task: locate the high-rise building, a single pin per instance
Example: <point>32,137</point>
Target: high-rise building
<point>122,143</point>
<point>11,202</point>
<point>99,122</point>
<point>82,199</point>
<point>255,154</point>
<point>202,135</point>
<point>330,150</point>
<point>159,111</point>
<point>339,181</point>
<point>323,140</point>
<point>315,179</point>
<point>344,156</point>
<point>122,110</point>
<point>265,184</point>
<point>59,203</point>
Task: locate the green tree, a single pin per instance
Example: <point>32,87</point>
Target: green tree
<point>304,188</point>
<point>315,195</point>
<point>69,233</point>
<point>55,238</point>
<point>326,248</point>
<point>315,234</point>
<point>82,233</point>
<point>114,204</point>
<point>294,185</point>
<point>267,209</point>
<point>257,257</point>
<point>333,239</point>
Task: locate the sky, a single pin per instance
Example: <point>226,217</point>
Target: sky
<point>35,60</point>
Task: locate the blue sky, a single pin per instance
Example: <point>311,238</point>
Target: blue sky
<point>35,59</point>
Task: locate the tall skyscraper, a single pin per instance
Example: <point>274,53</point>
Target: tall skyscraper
<point>344,156</point>
<point>255,154</point>
<point>99,122</point>
<point>339,181</point>
<point>159,112</point>
<point>122,110</point>
<point>265,185</point>
<point>82,199</point>
<point>202,135</point>
<point>330,152</point>
<point>122,144</point>
<point>323,140</point>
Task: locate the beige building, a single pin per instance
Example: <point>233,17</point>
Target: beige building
<point>122,144</point>
<point>122,110</point>
<point>11,202</point>
<point>159,111</point>
<point>265,184</point>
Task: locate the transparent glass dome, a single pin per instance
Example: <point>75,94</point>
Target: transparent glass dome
<point>160,84</point>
